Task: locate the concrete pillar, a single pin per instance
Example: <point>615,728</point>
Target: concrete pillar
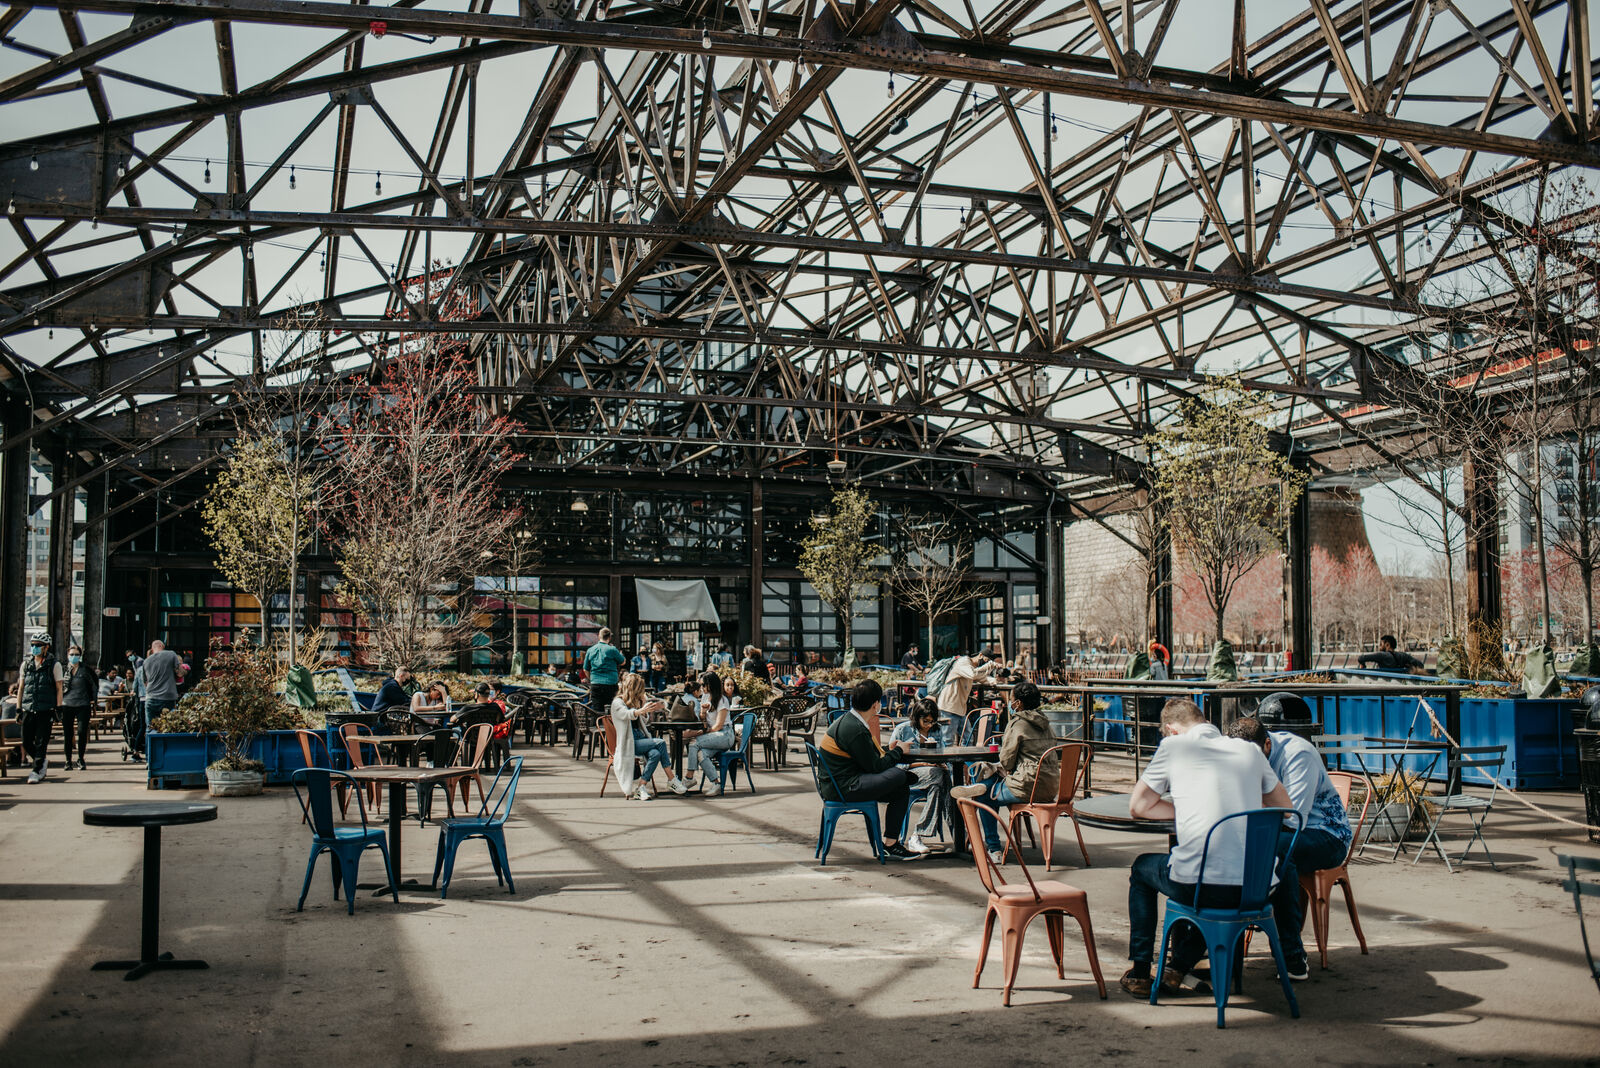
<point>13,541</point>
<point>1482,494</point>
<point>94,579</point>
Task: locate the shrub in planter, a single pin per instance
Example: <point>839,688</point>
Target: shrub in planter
<point>237,700</point>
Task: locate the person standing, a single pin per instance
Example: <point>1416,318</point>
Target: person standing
<point>159,674</point>
<point>965,673</point>
<point>658,667</point>
<point>39,694</point>
<point>603,661</point>
<point>721,659</point>
<point>76,703</point>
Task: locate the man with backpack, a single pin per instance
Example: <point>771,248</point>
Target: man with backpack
<point>954,686</point>
<point>39,693</point>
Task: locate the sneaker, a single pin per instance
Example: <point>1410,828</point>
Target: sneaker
<point>976,789</point>
<point>1299,969</point>
<point>35,776</point>
<point>677,786</point>
<point>997,858</point>
<point>83,765</point>
<point>645,794</point>
<point>914,844</point>
<point>898,851</point>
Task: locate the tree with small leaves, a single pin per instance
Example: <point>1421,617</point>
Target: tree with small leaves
<point>836,557</point>
<point>249,516</point>
<point>1225,490</point>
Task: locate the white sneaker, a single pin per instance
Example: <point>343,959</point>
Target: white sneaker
<point>914,844</point>
<point>997,858</point>
<point>677,786</point>
<point>35,776</point>
<point>644,794</point>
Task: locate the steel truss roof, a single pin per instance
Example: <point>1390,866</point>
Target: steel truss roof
<point>974,249</point>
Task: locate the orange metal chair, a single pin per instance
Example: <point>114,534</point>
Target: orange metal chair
<point>311,745</point>
<point>1016,906</point>
<point>1074,757</point>
<point>1318,885</point>
<point>474,745</point>
<point>353,743</point>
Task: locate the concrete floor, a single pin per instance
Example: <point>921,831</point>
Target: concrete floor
<point>698,931</point>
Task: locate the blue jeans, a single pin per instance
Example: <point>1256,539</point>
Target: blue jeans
<point>703,750</point>
<point>653,751</point>
<point>1314,850</point>
<point>999,796</point>
<point>1149,877</point>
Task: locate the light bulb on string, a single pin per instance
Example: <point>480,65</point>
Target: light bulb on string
<point>1258,181</point>
<point>377,185</point>
<point>324,263</point>
<point>1127,147</point>
<point>1427,239</point>
<point>11,206</point>
<point>705,38</point>
<point>1055,131</point>
<point>291,176</point>
<point>208,172</point>
<point>891,87</point>
<point>94,223</point>
<point>122,168</point>
<point>33,163</point>
<point>1277,238</point>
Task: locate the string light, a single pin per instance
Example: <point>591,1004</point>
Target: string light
<point>122,168</point>
<point>1055,131</point>
<point>1427,239</point>
<point>208,172</point>
<point>377,185</point>
<point>705,38</point>
<point>11,206</point>
<point>291,176</point>
<point>891,87</point>
<point>33,163</point>
<point>1258,178</point>
<point>1277,238</point>
<point>1127,147</point>
<point>324,263</point>
<point>94,223</point>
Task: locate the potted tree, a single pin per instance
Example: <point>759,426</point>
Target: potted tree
<point>236,702</point>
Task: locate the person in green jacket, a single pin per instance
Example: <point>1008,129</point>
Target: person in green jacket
<point>1021,772</point>
<point>602,662</point>
<point>864,770</point>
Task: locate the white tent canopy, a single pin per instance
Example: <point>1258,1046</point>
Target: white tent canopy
<point>675,601</point>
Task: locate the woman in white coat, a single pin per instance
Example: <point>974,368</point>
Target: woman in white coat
<point>629,710</point>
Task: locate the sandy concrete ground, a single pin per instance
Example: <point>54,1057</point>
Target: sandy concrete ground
<point>699,931</point>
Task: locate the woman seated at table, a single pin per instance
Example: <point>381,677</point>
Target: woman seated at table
<point>924,729</point>
<point>629,710</point>
<point>1028,737</point>
<point>719,736</point>
<point>432,703</point>
<point>800,681</point>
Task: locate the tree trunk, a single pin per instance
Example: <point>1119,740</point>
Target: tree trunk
<point>294,572</point>
<point>844,621</point>
<point>266,633</point>
<point>930,638</point>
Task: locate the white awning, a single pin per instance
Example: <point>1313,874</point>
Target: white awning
<point>675,601</point>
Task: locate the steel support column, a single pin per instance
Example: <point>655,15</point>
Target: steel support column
<point>94,577</point>
<point>756,551</point>
<point>1297,583</point>
<point>1160,587</point>
<point>13,541</point>
<point>1482,495</point>
<point>59,579</point>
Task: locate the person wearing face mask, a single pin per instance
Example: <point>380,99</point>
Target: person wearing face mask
<point>38,696</point>
<point>76,702</point>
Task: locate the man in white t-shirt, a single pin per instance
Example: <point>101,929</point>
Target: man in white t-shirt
<point>1208,778</point>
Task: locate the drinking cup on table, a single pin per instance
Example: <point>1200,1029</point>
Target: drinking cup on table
<point>994,749</point>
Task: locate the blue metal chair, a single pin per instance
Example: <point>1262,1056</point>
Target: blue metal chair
<point>1223,928</point>
<point>832,810</point>
<point>489,824</point>
<point>730,760</point>
<point>345,843</point>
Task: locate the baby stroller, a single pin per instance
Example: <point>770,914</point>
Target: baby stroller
<point>133,730</point>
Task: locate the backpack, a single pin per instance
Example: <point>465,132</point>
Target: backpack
<point>937,675</point>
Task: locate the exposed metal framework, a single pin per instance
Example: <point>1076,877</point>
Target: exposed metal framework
<point>977,249</point>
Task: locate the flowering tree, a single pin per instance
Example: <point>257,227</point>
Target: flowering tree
<point>252,520</point>
<point>419,461</point>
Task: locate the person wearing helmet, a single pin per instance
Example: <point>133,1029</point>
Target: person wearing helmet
<point>38,696</point>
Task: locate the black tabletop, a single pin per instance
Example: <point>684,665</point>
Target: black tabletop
<point>1110,811</point>
<point>149,814</point>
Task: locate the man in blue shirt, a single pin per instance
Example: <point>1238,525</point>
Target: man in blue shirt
<point>721,658</point>
<point>1324,839</point>
<point>602,662</point>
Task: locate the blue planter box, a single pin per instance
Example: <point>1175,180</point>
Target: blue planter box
<point>178,761</point>
<point>1537,734</point>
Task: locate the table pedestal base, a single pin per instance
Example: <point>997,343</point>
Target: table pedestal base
<point>138,969</point>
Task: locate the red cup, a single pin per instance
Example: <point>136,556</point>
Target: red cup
<point>994,749</point>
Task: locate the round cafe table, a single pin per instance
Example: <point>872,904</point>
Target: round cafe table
<point>1110,812</point>
<point>152,816</point>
